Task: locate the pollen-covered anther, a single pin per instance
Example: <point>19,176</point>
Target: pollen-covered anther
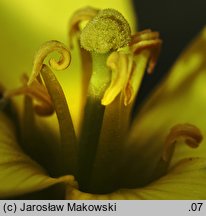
<point>46,49</point>
<point>190,134</point>
<point>120,65</point>
<point>147,40</point>
<point>81,15</point>
<point>107,31</point>
<point>37,92</point>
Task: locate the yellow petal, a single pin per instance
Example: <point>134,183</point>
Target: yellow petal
<point>185,181</point>
<point>19,174</point>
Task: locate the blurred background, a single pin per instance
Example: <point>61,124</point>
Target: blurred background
<point>178,22</point>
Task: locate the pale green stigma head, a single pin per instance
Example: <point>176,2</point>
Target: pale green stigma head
<point>108,30</point>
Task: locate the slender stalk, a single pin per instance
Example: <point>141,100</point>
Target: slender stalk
<point>93,118</point>
<point>68,148</point>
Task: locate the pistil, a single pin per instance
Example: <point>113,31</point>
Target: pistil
<point>106,32</point>
<point>93,118</point>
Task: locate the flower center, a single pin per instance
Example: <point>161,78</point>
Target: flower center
<point>110,96</point>
<point>118,61</point>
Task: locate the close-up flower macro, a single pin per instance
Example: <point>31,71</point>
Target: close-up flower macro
<point>75,122</point>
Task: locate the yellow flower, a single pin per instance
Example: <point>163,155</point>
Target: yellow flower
<point>110,156</point>
<point>27,24</point>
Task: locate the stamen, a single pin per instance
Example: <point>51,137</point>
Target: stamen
<point>147,40</point>
<point>144,35</point>
<point>190,135</point>
<point>36,91</point>
<point>120,64</point>
<point>75,25</point>
<point>68,149</point>
<point>83,14</point>
<point>44,51</point>
<point>107,170</point>
<point>128,68</point>
<point>137,71</point>
<point>145,47</point>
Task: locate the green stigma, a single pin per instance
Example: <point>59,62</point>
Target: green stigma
<point>107,31</point>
